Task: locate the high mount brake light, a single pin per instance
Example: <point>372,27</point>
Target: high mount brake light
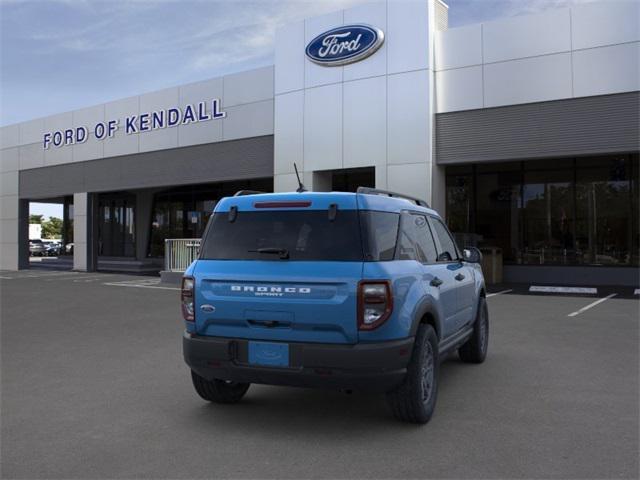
<point>375,303</point>
<point>187,298</point>
<point>298,204</point>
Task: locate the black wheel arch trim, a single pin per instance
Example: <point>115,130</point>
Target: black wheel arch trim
<point>427,309</point>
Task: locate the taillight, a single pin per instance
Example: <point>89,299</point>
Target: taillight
<point>186,297</point>
<point>375,303</point>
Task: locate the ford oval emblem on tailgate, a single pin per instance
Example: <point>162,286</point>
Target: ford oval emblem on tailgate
<point>207,308</point>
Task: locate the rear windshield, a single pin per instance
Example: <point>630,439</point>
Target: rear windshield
<point>304,235</point>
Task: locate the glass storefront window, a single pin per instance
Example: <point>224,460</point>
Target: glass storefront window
<point>575,211</point>
<point>548,221</point>
<point>634,163</point>
<point>460,204</point>
<point>604,211</point>
<point>116,225</point>
<point>183,212</point>
<point>498,205</point>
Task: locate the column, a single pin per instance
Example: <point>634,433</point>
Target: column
<point>9,210</point>
<point>84,233</point>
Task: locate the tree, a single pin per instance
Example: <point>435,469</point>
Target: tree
<point>36,219</point>
<point>52,228</point>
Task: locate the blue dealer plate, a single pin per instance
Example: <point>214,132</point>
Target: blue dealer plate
<point>269,354</point>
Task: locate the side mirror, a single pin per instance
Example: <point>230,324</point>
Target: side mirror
<point>472,255</point>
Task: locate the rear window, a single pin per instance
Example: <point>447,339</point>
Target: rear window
<point>305,235</point>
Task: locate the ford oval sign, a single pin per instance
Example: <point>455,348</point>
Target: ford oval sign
<point>343,45</point>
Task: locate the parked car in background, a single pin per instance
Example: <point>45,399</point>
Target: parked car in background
<point>68,248</point>
<point>53,248</point>
<point>37,248</point>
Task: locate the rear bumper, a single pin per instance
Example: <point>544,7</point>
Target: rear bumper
<point>369,367</point>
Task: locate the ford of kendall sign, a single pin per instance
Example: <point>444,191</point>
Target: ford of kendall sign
<point>344,45</point>
<point>139,123</point>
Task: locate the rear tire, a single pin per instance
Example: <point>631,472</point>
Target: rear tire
<point>475,349</point>
<point>219,391</point>
<point>415,399</point>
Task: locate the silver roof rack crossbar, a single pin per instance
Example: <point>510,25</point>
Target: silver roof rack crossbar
<point>377,191</point>
<point>241,193</point>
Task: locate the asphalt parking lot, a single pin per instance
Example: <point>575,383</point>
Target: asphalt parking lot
<point>94,386</point>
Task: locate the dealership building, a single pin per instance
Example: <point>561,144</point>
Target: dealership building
<point>523,132</point>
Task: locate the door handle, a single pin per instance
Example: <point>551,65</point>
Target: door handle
<point>459,277</point>
<point>436,282</point>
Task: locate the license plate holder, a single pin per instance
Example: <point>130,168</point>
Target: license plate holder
<point>269,354</point>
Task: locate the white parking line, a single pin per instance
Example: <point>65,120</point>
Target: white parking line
<point>141,280</point>
<point>499,293</point>
<point>591,305</point>
<point>139,286</point>
<point>62,278</point>
<point>46,275</point>
<point>548,289</point>
<point>6,278</point>
<point>84,279</point>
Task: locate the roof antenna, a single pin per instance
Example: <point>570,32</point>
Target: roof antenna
<point>300,185</point>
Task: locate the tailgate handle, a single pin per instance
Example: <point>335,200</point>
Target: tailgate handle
<point>269,323</point>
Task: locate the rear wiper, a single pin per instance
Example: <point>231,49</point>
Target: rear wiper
<point>283,252</point>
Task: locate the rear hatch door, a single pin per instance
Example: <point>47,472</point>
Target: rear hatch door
<point>278,300</point>
<point>281,269</point>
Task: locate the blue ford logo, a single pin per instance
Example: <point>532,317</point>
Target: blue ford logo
<point>343,45</point>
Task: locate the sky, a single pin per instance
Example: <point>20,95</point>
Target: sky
<point>61,55</point>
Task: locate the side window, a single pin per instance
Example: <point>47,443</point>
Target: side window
<point>448,251</point>
<point>416,242</point>
<point>379,234</point>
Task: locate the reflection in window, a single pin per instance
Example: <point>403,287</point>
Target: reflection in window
<point>548,225</point>
<point>183,212</point>
<point>498,205</point>
<point>116,225</point>
<point>581,211</point>
<point>603,195</point>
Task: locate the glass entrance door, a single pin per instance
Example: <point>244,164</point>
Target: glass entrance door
<point>116,225</point>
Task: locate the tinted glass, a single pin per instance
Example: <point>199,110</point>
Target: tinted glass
<point>416,242</point>
<point>571,211</point>
<point>547,216</point>
<point>447,245</point>
<point>379,232</point>
<point>116,225</point>
<point>498,209</point>
<point>604,211</point>
<point>305,235</point>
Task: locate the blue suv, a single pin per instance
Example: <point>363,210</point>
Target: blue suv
<point>363,291</point>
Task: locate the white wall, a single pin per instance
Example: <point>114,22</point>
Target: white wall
<point>589,49</point>
<point>372,113</point>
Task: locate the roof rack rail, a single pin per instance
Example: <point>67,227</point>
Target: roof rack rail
<point>242,193</point>
<point>377,191</point>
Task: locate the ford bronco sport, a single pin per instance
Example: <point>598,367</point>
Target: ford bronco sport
<point>362,290</point>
